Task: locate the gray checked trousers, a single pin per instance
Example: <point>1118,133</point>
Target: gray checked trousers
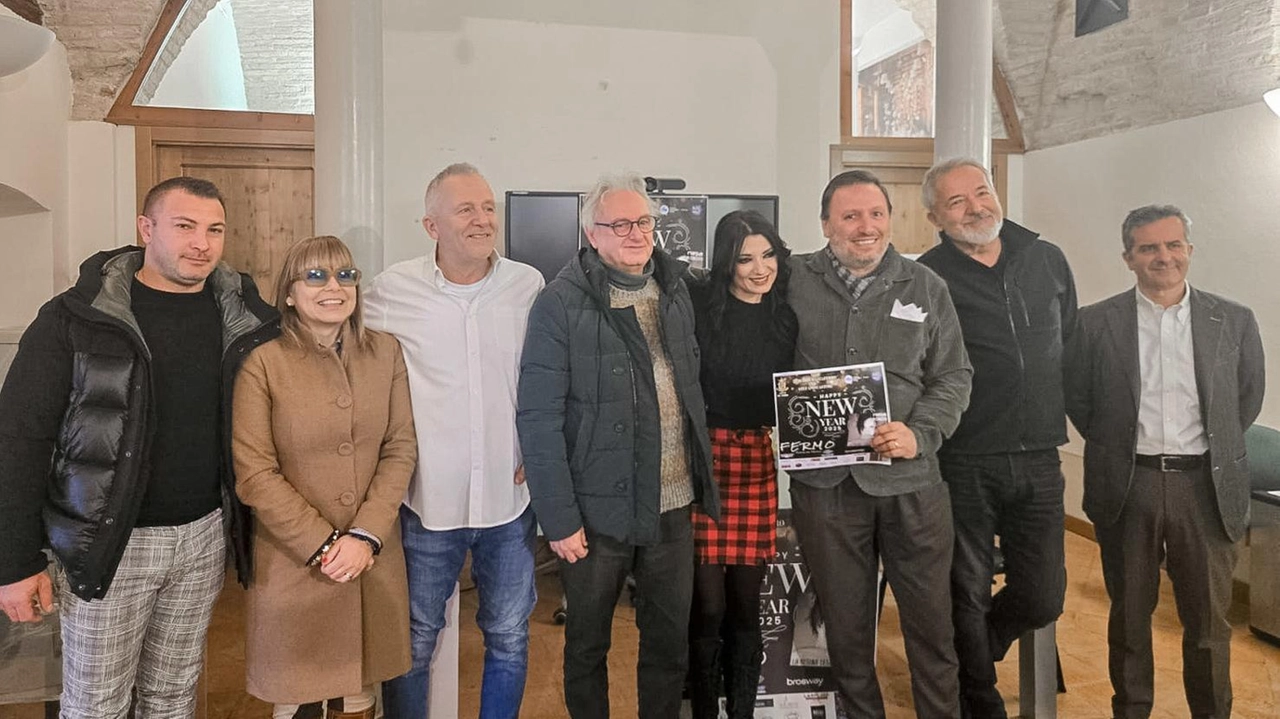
<point>149,630</point>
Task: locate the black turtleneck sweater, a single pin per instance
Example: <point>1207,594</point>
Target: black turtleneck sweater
<point>738,362</point>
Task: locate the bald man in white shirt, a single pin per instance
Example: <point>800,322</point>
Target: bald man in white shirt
<point>460,316</point>
<point>1162,380</point>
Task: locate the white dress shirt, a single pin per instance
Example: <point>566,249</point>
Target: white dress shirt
<point>462,347</point>
<point>1169,420</point>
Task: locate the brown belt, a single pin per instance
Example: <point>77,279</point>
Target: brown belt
<point>1172,462</point>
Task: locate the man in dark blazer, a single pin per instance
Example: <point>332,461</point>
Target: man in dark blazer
<point>1162,382</point>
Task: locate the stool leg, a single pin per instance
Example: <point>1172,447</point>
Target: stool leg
<point>1038,674</point>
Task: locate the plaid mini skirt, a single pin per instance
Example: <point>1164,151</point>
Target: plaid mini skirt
<point>748,481</point>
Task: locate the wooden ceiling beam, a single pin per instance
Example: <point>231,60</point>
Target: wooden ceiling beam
<point>1008,109</point>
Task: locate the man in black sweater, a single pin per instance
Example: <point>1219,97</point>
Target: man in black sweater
<point>113,426</point>
<point>1017,305</point>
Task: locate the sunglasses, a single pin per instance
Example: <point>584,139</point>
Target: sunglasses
<point>319,277</point>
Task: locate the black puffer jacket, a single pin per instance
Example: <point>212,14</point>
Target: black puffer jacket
<point>76,422</point>
<point>589,429</point>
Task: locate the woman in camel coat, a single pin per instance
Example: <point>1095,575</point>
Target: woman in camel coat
<point>324,446</point>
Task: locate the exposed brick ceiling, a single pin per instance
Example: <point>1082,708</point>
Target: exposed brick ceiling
<point>1171,59</point>
<point>104,39</point>
<point>28,10</point>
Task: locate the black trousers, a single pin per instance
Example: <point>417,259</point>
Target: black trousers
<point>1019,498</point>
<point>1171,516</point>
<point>844,535</point>
<point>664,590</point>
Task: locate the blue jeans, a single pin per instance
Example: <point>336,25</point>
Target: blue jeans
<point>502,568</point>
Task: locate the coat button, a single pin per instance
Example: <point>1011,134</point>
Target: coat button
<point>345,449</point>
<point>619,427</point>
<point>617,371</point>
<point>620,486</point>
<point>110,521</point>
<point>344,401</point>
<point>347,498</point>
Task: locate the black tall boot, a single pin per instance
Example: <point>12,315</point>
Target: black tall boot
<point>742,673</point>
<point>704,676</point>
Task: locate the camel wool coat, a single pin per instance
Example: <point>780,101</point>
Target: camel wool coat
<point>323,442</point>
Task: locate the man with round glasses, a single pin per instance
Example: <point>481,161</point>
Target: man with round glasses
<point>459,313</point>
<point>614,434</point>
<point>114,428</point>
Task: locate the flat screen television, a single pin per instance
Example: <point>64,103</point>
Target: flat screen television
<point>542,228</point>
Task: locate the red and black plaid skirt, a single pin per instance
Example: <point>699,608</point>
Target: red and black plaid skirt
<point>748,481</point>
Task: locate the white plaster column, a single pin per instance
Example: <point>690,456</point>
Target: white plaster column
<point>348,179</point>
<point>349,200</point>
<point>962,113</point>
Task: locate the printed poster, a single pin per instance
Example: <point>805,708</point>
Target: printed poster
<point>795,676</point>
<point>826,417</point>
<point>681,229</point>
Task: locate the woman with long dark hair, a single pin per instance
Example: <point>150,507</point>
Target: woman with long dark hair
<point>746,332</point>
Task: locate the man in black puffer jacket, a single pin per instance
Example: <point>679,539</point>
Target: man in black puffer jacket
<point>614,436</point>
<point>115,428</point>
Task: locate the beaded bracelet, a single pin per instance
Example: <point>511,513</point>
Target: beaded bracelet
<point>328,544</point>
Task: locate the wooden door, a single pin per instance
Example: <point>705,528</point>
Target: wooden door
<point>901,164</point>
<point>266,179</point>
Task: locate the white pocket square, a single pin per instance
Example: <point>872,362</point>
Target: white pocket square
<point>910,313</point>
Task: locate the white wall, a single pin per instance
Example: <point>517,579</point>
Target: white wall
<point>1223,169</point>
<point>101,189</point>
<point>34,107</point>
<point>77,179</point>
<point>735,97</point>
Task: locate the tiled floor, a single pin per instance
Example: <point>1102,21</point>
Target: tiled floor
<point>1081,637</point>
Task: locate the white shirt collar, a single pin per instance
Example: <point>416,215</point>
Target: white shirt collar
<point>432,272</point>
<point>1180,308</point>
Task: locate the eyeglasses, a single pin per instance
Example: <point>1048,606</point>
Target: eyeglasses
<point>319,276</point>
<point>622,228</point>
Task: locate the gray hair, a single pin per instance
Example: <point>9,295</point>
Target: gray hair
<point>621,182</point>
<point>1147,214</point>
<point>433,188</point>
<point>929,188</point>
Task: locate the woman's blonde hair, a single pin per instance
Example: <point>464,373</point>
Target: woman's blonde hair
<point>326,252</point>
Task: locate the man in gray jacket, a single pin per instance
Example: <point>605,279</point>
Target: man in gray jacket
<point>1162,381</point>
<point>614,438</point>
<point>859,301</point>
